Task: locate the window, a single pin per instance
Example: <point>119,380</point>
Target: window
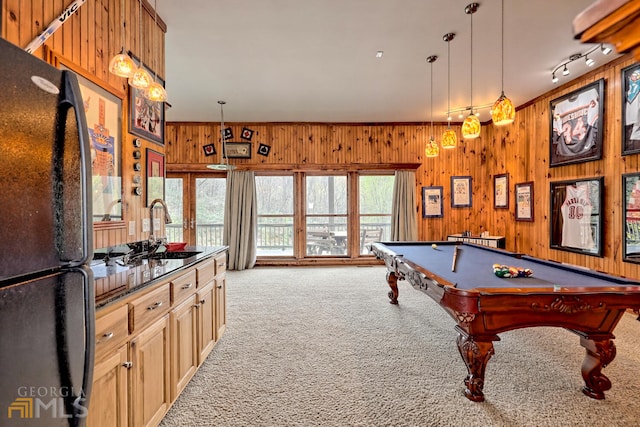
<point>209,217</point>
<point>326,214</point>
<point>375,197</point>
<point>275,234</point>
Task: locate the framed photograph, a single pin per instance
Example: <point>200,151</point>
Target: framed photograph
<point>461,192</point>
<point>238,150</point>
<point>631,109</point>
<point>432,202</point>
<point>524,201</point>
<point>576,220</point>
<point>155,176</point>
<point>146,118</point>
<point>103,111</point>
<point>576,125</point>
<point>631,217</point>
<point>501,191</point>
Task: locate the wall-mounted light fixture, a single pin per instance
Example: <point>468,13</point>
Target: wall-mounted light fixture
<point>576,56</point>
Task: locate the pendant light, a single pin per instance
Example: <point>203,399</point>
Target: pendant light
<point>503,112</point>
<point>141,78</point>
<point>155,91</point>
<point>432,149</point>
<point>122,65</point>
<point>224,164</point>
<point>471,125</point>
<point>449,137</point>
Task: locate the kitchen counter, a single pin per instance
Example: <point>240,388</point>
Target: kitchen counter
<point>114,281</point>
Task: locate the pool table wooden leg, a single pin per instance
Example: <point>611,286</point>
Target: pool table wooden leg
<point>475,354</point>
<point>600,352</point>
<point>392,280</point>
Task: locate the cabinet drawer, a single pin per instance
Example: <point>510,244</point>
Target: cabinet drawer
<point>221,263</point>
<point>149,307</point>
<point>183,286</point>
<point>111,330</point>
<point>206,270</point>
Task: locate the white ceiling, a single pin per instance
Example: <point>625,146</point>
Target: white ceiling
<point>314,60</point>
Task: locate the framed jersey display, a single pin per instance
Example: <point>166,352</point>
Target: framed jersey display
<point>631,217</point>
<point>577,125</point>
<point>576,215</point>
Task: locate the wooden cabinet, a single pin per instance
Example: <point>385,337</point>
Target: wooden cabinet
<point>150,343</point>
<point>150,396</point>
<point>109,397</point>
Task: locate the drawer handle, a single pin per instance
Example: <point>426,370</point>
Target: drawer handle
<point>196,305</point>
<point>154,306</point>
<point>108,335</point>
<point>187,286</point>
<point>219,286</point>
<point>127,365</point>
<point>202,301</point>
<point>221,265</point>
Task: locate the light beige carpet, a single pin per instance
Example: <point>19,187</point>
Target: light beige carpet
<point>323,347</point>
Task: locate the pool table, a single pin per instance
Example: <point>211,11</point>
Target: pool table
<point>584,301</point>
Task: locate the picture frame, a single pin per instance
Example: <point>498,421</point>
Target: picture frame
<point>432,202</point>
<point>146,118</point>
<point>103,112</point>
<point>576,215</point>
<point>155,174</point>
<point>524,201</point>
<point>501,191</point>
<point>631,217</point>
<point>576,124</point>
<point>461,193</point>
<point>631,109</point>
<point>237,150</point>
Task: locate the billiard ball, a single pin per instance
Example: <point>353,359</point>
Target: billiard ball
<point>434,246</point>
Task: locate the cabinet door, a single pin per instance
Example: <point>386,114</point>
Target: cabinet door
<point>221,306</point>
<point>150,374</point>
<point>184,359</point>
<point>206,321</point>
<point>109,396</point>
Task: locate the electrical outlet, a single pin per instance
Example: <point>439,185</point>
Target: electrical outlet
<point>146,225</point>
<point>132,228</point>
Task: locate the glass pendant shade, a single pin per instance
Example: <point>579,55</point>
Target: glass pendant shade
<point>471,127</point>
<point>141,79</point>
<point>122,65</point>
<point>503,111</point>
<point>155,92</point>
<point>431,150</point>
<point>449,139</point>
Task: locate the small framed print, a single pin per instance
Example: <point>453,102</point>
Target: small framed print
<point>524,201</point>
<point>264,149</point>
<point>631,109</point>
<point>209,149</point>
<point>432,202</point>
<point>155,175</point>
<point>237,150</point>
<point>461,192</point>
<point>501,191</point>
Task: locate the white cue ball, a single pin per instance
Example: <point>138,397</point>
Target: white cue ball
<point>434,246</point>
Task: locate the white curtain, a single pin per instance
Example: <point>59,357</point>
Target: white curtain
<point>404,222</point>
<point>240,219</point>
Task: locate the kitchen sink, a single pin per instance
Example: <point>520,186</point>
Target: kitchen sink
<point>174,255</point>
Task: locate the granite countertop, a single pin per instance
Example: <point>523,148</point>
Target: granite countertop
<point>114,281</point>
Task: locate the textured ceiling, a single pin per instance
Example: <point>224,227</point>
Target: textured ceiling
<point>314,60</point>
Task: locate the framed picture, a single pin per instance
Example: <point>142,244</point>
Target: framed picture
<point>155,176</point>
<point>146,118</point>
<point>461,192</point>
<point>501,191</point>
<point>631,109</point>
<point>432,202</point>
<point>576,220</point>
<point>631,217</point>
<point>239,150</point>
<point>576,125</point>
<point>524,201</point>
<point>103,111</point>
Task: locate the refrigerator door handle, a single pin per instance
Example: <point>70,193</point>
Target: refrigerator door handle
<point>78,249</point>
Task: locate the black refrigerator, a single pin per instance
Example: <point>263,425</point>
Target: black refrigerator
<point>47,299</point>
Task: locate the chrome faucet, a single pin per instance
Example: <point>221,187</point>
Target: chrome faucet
<point>167,217</point>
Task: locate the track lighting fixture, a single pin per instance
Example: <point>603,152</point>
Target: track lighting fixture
<point>588,60</point>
